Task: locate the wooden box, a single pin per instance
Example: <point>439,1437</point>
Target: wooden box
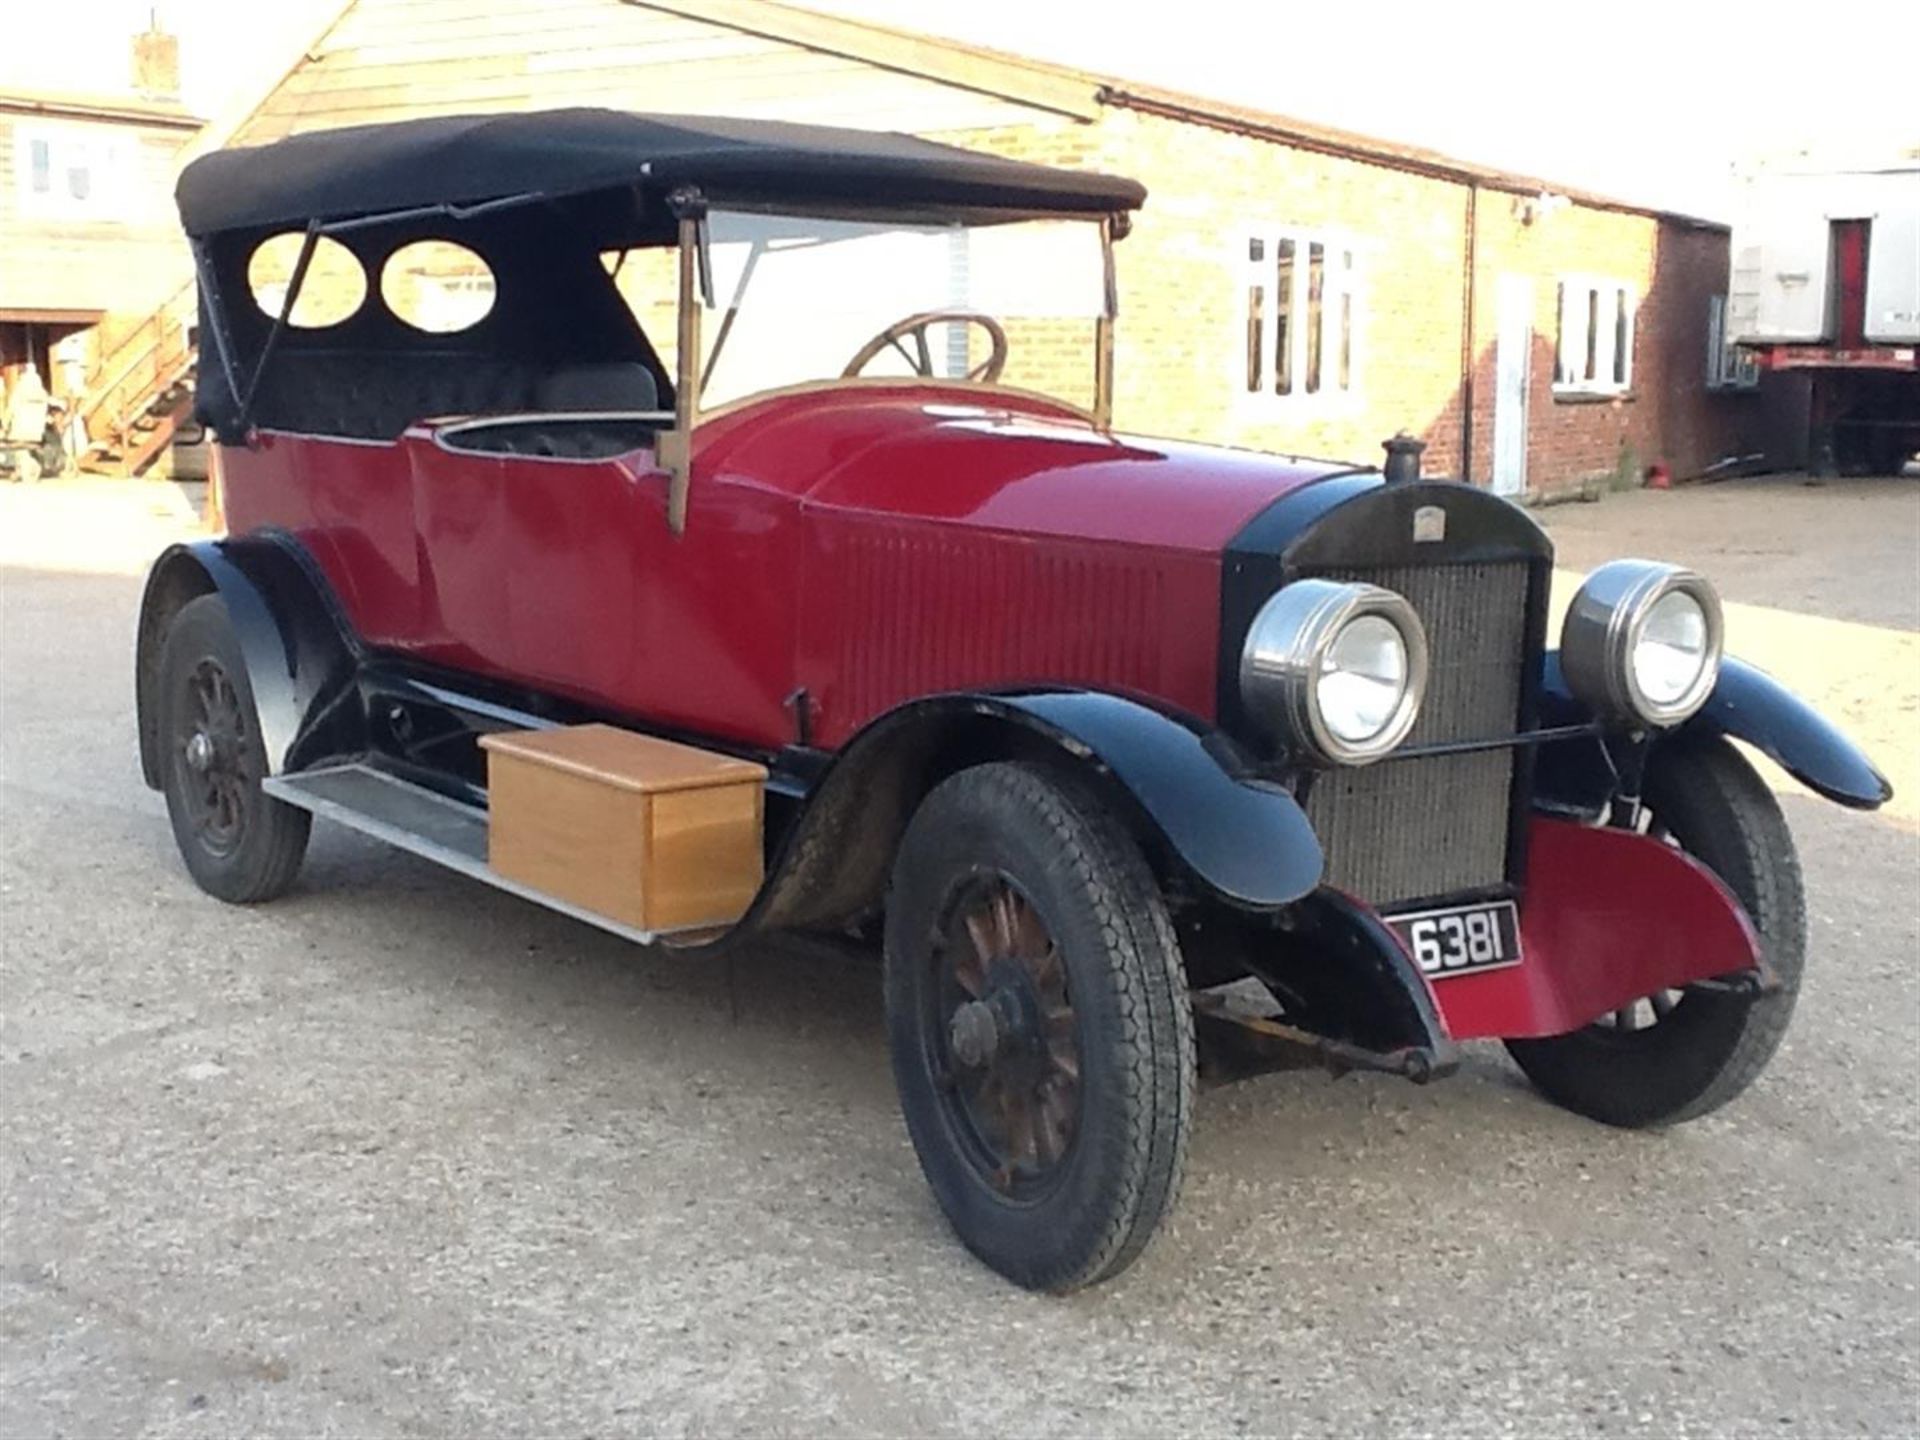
<point>655,835</point>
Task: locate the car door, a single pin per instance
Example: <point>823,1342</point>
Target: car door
<point>563,575</point>
<point>533,564</point>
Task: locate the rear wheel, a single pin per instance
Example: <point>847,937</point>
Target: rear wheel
<point>1681,1054</point>
<point>1039,1024</point>
<point>239,843</point>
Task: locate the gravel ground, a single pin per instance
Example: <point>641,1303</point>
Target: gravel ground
<point>400,1155</point>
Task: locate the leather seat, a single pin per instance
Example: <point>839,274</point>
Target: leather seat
<point>611,386</point>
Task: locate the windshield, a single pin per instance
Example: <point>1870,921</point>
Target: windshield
<point>796,299</point>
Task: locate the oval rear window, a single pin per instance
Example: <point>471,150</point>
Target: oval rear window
<point>437,286</point>
<point>335,286</point>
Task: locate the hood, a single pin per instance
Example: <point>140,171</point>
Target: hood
<point>1013,465</point>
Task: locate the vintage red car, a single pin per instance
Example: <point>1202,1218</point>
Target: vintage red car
<point>1134,754</point>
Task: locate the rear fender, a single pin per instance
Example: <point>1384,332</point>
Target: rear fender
<point>1206,829</point>
<point>300,655</point>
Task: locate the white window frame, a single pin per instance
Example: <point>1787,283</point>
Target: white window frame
<point>1587,356</point>
<point>103,162</point>
<point>1729,366</point>
<point>1342,293</point>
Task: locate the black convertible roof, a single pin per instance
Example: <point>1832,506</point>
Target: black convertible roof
<point>461,160</point>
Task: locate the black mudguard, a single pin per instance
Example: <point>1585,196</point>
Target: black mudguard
<point>1236,841</point>
<point>1352,996</point>
<point>1747,704</point>
<point>300,654</point>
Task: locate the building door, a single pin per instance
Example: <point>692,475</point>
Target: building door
<point>1512,368</point>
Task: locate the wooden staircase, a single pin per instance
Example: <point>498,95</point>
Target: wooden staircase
<point>141,393</point>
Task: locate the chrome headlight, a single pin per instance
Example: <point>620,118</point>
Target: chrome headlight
<point>1642,641</point>
<point>1335,670</point>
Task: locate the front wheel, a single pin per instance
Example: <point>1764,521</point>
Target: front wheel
<point>1039,1024</point>
<point>1678,1055</point>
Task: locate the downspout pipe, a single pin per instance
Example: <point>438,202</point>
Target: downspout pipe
<point>1469,302</point>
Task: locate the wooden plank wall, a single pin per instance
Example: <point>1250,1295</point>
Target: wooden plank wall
<point>84,264</point>
<point>398,59</point>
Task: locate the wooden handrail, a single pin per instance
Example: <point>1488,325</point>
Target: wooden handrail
<point>151,356</point>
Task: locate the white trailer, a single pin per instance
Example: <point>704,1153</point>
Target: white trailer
<point>1826,281</point>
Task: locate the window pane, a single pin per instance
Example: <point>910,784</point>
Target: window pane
<point>1622,339</point>
<point>1562,342</point>
<point>1316,284</point>
<point>42,165</point>
<point>1256,249</point>
<point>79,181</point>
<point>1283,319</point>
<point>439,286</point>
<point>1592,369</point>
<point>1346,320</point>
<point>1256,306</point>
<point>334,288</point>
<point>1717,354</point>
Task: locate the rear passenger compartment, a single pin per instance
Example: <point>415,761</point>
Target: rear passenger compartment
<point>559,437</point>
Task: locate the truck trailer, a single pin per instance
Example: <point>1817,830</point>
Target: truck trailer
<point>1825,288</point>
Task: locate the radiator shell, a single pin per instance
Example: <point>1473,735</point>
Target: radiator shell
<point>1418,827</point>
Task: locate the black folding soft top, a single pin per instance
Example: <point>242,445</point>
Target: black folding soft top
<point>368,170</point>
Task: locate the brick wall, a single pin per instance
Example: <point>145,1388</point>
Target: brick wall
<point>1667,415</point>
<point>1181,352</point>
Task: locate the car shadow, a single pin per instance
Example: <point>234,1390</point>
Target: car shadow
<point>755,1016</point>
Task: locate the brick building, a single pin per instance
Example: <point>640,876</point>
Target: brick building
<point>1288,287</point>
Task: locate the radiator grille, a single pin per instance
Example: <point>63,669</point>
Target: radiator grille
<point>1410,829</point>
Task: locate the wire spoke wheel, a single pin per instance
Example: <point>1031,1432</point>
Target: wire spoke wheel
<point>210,756</point>
<point>1678,1054</point>
<point>1038,1021</point>
<point>1003,1025</point>
<point>1633,1024</point>
<point>239,843</point>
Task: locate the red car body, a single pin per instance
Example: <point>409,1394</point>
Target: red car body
<point>1026,547</point>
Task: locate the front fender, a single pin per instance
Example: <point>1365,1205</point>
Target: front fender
<point>1608,918</point>
<point>1244,843</point>
<point>1248,842</point>
<point>300,655</point>
<point>1747,704</point>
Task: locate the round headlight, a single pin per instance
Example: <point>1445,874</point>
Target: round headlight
<point>1335,671</point>
<point>1642,642</point>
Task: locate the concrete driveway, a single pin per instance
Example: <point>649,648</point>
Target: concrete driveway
<point>400,1155</point>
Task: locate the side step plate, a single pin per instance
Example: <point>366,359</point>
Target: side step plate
<point>430,825</point>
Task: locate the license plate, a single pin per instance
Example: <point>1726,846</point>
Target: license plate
<point>1461,939</point>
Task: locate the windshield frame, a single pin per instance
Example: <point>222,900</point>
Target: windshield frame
<point>696,296</point>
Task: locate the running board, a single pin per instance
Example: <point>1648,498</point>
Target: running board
<point>434,827</point>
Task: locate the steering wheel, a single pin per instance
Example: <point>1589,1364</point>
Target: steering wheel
<point>916,327</point>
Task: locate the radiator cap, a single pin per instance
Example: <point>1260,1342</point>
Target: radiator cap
<point>1403,458</point>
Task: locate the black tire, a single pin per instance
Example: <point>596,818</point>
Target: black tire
<point>1709,1046</point>
<point>1089,1213</point>
<point>240,844</point>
